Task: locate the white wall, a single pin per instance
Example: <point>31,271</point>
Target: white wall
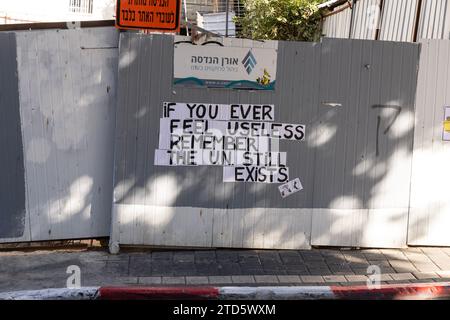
<point>67,93</point>
<point>26,11</point>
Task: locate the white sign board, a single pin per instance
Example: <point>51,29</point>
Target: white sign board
<point>446,133</point>
<point>225,67</point>
<point>291,187</point>
<point>241,138</point>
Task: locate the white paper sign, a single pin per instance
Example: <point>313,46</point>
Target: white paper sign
<point>253,112</point>
<point>446,133</point>
<point>256,174</point>
<point>242,138</point>
<point>291,187</point>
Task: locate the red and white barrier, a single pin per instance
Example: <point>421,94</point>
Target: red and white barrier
<point>385,292</point>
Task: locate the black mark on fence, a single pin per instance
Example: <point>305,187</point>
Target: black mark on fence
<point>397,109</point>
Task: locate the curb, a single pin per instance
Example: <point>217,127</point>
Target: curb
<point>157,293</point>
<point>84,293</point>
<point>384,292</point>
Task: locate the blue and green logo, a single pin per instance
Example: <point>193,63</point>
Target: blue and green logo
<point>249,62</point>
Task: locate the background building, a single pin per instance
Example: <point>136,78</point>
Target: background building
<point>29,11</point>
<point>392,20</point>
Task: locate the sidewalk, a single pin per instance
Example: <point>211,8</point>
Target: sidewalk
<point>317,267</point>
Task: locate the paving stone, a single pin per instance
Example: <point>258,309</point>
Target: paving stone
<point>184,272</point>
<point>341,270</point>
<point>360,271</point>
<point>248,254</point>
<point>149,280</point>
<point>118,257</point>
<point>415,257</point>
<point>162,255</point>
<point>442,262</point>
<point>433,250</point>
<point>444,279</point>
<point>117,267</point>
<point>205,256</point>
<point>316,264</point>
<point>425,275</point>
<point>268,255</point>
<point>402,276</point>
<point>312,256</point>
<point>444,273</point>
<point>332,254</point>
<point>259,271</point>
<point>393,254</point>
<point>343,273</point>
<point>356,278</point>
<point>375,256</point>
<point>385,277</point>
<point>292,260</point>
<point>121,281</point>
<point>266,279</point>
<point>229,268</point>
<point>196,280</point>
<point>242,279</point>
<point>320,271</point>
<point>312,279</point>
<point>379,263</point>
<point>270,271</point>
<point>173,280</point>
<point>295,267</point>
<point>289,279</point>
<point>286,255</point>
<point>220,279</point>
<point>297,272</point>
<point>426,267</point>
<point>183,257</point>
<point>270,261</point>
<point>245,266</point>
<point>334,278</point>
<point>356,259</point>
<point>162,269</point>
<point>397,282</point>
<point>402,266</point>
<point>387,270</point>
<point>227,255</point>
<point>140,270</point>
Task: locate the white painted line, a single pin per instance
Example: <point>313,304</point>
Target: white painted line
<point>86,293</point>
<point>277,293</point>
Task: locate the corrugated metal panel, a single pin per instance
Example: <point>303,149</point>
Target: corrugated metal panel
<point>67,107</point>
<point>356,175</point>
<point>13,220</point>
<point>216,22</point>
<point>192,206</point>
<point>364,146</point>
<point>365,19</point>
<point>398,18</point>
<point>434,20</point>
<point>429,218</point>
<point>337,25</point>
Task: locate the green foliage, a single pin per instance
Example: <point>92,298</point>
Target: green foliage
<point>280,20</point>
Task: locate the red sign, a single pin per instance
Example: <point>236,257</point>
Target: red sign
<point>161,15</point>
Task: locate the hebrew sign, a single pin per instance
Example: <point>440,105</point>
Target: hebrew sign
<point>225,67</point>
<point>161,15</point>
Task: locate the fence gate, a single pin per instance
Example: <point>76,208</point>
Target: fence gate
<point>356,99</point>
<point>430,202</point>
<point>57,96</point>
<point>364,143</point>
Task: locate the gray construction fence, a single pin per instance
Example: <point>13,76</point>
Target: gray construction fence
<point>80,126</point>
